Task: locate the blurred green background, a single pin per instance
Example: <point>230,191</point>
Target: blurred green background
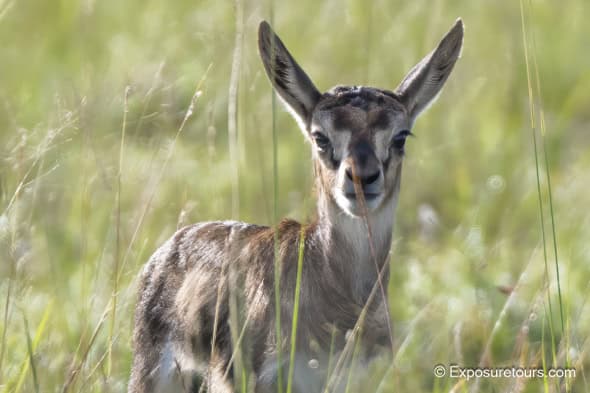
<point>78,217</point>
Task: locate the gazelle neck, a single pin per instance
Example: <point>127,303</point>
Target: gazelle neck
<point>356,246</point>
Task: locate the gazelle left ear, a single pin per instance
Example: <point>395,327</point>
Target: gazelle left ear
<point>423,83</point>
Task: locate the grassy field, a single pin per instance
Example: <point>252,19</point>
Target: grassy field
<point>96,171</point>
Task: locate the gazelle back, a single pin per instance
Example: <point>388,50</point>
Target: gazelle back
<point>207,304</point>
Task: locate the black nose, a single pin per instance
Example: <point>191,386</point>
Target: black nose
<point>364,179</point>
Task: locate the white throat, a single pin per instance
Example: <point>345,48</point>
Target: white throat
<point>350,240</point>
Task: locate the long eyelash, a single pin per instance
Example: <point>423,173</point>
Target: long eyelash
<point>405,134</point>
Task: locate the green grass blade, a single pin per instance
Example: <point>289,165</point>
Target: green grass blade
<point>552,215</point>
<point>296,310</point>
<point>548,178</point>
<point>537,172</point>
<point>75,371</point>
<point>115,276</point>
<point>355,353</point>
<point>330,358</point>
<point>543,358</point>
<point>31,354</point>
<point>5,321</point>
<point>26,363</point>
<point>277,257</point>
<point>240,374</point>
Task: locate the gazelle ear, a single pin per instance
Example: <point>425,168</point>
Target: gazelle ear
<point>288,79</point>
<point>423,83</point>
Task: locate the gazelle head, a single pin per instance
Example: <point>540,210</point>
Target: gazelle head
<point>358,133</point>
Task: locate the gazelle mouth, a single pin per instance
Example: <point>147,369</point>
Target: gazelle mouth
<point>368,197</point>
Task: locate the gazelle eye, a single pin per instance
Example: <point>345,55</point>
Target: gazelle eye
<point>399,140</point>
<point>322,141</point>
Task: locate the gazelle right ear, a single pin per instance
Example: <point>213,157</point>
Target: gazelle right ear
<point>288,79</point>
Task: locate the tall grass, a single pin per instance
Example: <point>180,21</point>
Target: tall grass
<point>295,321</point>
<point>276,219</point>
<point>115,278</point>
<point>528,42</point>
<point>491,214</point>
<point>16,385</point>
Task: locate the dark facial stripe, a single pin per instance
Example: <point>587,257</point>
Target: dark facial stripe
<point>380,119</point>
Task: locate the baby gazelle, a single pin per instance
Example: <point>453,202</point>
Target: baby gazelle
<point>213,283</point>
